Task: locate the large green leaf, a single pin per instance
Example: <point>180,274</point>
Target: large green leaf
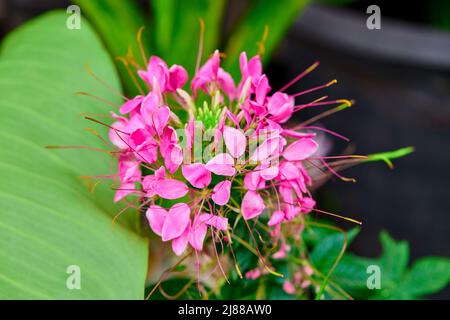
<point>177,29</point>
<point>48,219</point>
<point>118,23</point>
<point>276,15</point>
<point>427,275</point>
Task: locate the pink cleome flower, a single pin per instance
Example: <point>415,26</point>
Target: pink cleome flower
<point>252,154</point>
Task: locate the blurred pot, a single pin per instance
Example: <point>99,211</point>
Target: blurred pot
<point>399,78</point>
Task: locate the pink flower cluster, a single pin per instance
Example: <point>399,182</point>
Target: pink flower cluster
<point>251,151</point>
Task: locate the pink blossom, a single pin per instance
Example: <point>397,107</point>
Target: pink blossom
<point>253,274</point>
<point>281,254</point>
<point>222,165</point>
<point>300,149</point>
<point>169,225</point>
<point>288,287</point>
<point>221,193</point>
<point>280,106</point>
<point>168,79</point>
<point>211,73</point>
<point>276,218</point>
<point>131,105</point>
<point>235,141</point>
<point>157,184</point>
<point>198,233</point>
<point>217,222</point>
<point>252,205</point>
<point>253,181</point>
<point>197,174</point>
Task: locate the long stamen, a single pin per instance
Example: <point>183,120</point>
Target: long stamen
<point>328,131</point>
<point>131,74</point>
<point>141,46</point>
<point>217,256</point>
<point>200,44</point>
<point>324,103</point>
<point>128,206</point>
<point>261,258</point>
<point>95,133</point>
<point>315,88</point>
<point>98,98</point>
<point>78,147</point>
<point>104,124</point>
<point>335,215</point>
<point>300,76</point>
<point>335,173</point>
<point>261,44</point>
<point>108,86</point>
<point>322,115</point>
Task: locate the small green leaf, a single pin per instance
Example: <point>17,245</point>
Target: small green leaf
<point>393,261</point>
<point>389,155</point>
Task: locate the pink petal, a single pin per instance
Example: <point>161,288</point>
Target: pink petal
<point>222,165</point>
<point>129,169</point>
<point>253,274</point>
<point>150,104</point>
<point>198,233</point>
<point>286,193</point>
<point>177,77</point>
<point>253,181</point>
<point>226,83</point>
<point>173,157</point>
<point>270,147</point>
<point>235,141</point>
<point>130,105</point>
<point>281,254</point>
<point>307,204</point>
<point>221,193</point>
<point>196,174</point>
<point>281,107</point>
<point>170,189</point>
<point>217,222</point>
<point>116,137</point>
<point>291,211</point>
<point>160,118</point>
<point>262,89</point>
<point>124,190</point>
<point>156,69</point>
<point>156,217</point>
<point>252,205</point>
<point>288,171</point>
<point>179,244</point>
<point>267,171</point>
<point>300,149</point>
<point>176,221</point>
<point>276,218</point>
<point>255,67</point>
<point>168,137</point>
<point>288,287</point>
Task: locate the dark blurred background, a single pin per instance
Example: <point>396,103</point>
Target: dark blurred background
<point>399,77</point>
